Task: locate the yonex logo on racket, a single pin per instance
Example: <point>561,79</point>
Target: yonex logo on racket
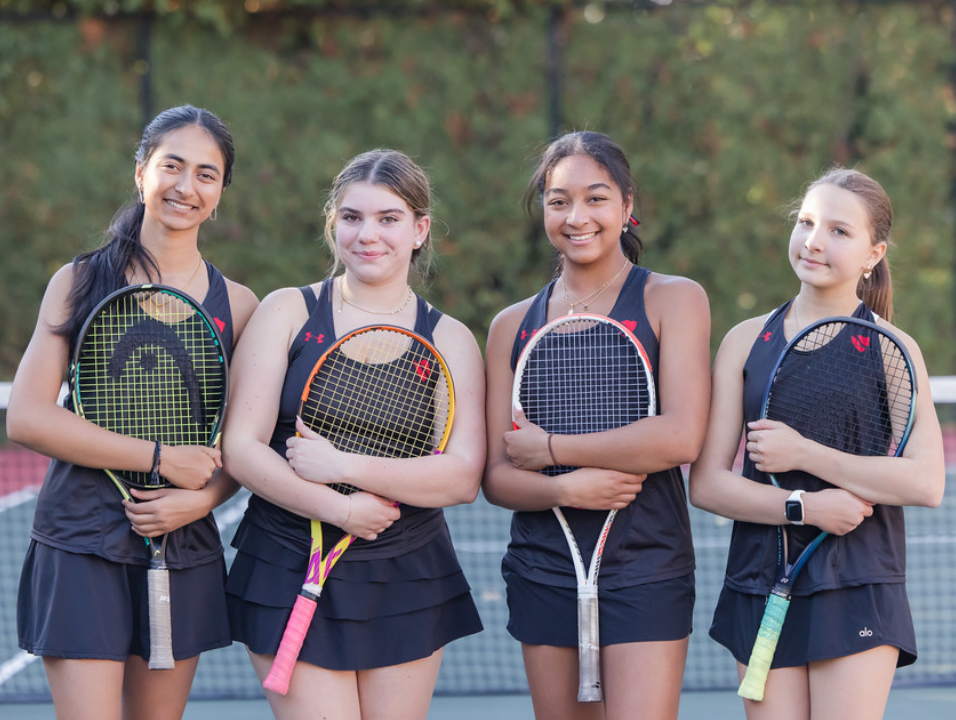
<point>860,342</point>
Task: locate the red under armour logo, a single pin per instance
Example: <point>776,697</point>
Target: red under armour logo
<point>629,324</point>
<point>220,324</point>
<point>766,336</point>
<point>860,342</point>
<point>319,339</point>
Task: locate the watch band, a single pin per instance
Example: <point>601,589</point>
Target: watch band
<point>793,508</point>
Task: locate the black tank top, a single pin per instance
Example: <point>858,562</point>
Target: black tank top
<point>80,510</point>
<point>874,552</point>
<point>650,539</point>
<point>267,529</point>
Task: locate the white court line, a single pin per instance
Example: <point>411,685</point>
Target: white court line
<point>20,497</point>
<point>15,664</point>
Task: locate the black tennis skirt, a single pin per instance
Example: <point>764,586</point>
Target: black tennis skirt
<point>823,626</point>
<point>548,615</point>
<point>372,613</point>
<point>84,607</point>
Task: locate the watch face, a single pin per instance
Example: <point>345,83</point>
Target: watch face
<point>794,511</point>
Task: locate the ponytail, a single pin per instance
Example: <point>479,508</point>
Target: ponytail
<point>100,272</point>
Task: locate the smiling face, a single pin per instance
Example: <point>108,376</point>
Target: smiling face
<point>584,210</point>
<point>831,245</point>
<point>181,181</point>
<point>376,232</point>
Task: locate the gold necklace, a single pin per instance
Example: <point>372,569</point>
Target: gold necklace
<point>594,295</point>
<point>343,299</point>
<point>193,276</point>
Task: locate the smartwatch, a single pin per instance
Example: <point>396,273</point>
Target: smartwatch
<point>793,508</point>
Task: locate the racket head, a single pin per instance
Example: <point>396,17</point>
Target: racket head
<point>583,373</point>
<point>847,384</point>
<point>381,391</point>
<point>149,363</point>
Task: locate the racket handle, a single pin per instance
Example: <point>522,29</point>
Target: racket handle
<point>589,646</point>
<point>160,624</point>
<point>755,679</point>
<point>281,672</point>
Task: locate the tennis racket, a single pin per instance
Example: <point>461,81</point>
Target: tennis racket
<point>149,364</point>
<point>381,391</point>
<point>578,374</point>
<point>849,385</point>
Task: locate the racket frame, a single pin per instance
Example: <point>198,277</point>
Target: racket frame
<point>158,584</point>
<point>319,567</point>
<point>754,682</point>
<point>589,637</point>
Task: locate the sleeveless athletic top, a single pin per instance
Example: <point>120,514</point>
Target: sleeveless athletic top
<point>874,552</point>
<point>80,510</point>
<point>650,539</point>
<point>266,529</point>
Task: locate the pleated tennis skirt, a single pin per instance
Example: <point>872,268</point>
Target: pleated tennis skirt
<point>79,606</point>
<point>372,613</point>
<point>547,615</point>
<point>823,626</point>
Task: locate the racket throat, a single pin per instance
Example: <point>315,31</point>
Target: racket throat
<point>313,591</point>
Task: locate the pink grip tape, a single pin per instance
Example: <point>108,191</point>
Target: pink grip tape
<point>281,672</point>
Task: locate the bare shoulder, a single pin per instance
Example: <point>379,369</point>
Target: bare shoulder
<point>242,302</point>
<point>451,332</point>
<point>507,321</point>
<point>912,347</point>
<point>740,338</point>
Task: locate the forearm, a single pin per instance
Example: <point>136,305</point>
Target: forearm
<point>432,481</point>
<point>261,470</point>
<point>650,445</point>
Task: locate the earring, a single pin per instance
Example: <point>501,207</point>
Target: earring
<point>213,215</point>
<point>867,272</point>
<point>139,189</point>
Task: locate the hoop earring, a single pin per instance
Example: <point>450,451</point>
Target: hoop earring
<point>213,215</point>
<point>139,189</point>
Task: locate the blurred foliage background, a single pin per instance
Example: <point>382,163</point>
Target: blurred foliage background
<point>726,109</point>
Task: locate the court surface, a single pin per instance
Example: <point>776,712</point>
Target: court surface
<point>930,703</point>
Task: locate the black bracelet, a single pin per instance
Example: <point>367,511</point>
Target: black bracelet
<point>155,470</point>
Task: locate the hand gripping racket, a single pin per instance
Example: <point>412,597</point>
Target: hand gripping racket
<point>849,385</point>
<point>580,374</point>
<point>381,391</point>
<point>149,364</point>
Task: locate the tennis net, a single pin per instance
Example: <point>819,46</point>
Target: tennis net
<point>490,662</point>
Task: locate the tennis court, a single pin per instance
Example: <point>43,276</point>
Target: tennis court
<point>482,675</point>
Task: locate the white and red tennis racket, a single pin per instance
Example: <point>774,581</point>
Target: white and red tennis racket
<point>582,374</point>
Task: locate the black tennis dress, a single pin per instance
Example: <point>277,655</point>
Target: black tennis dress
<point>851,595</point>
<point>396,599</point>
<point>646,584</point>
<point>83,587</point>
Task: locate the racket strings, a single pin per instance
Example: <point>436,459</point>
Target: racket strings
<point>151,369</point>
<point>846,387</point>
<point>586,378</point>
<point>381,396</point>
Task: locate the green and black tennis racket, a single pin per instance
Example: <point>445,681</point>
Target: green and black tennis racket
<point>847,384</point>
<point>381,391</point>
<point>149,364</point>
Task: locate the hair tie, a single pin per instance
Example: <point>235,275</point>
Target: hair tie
<point>551,450</point>
<point>154,472</point>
